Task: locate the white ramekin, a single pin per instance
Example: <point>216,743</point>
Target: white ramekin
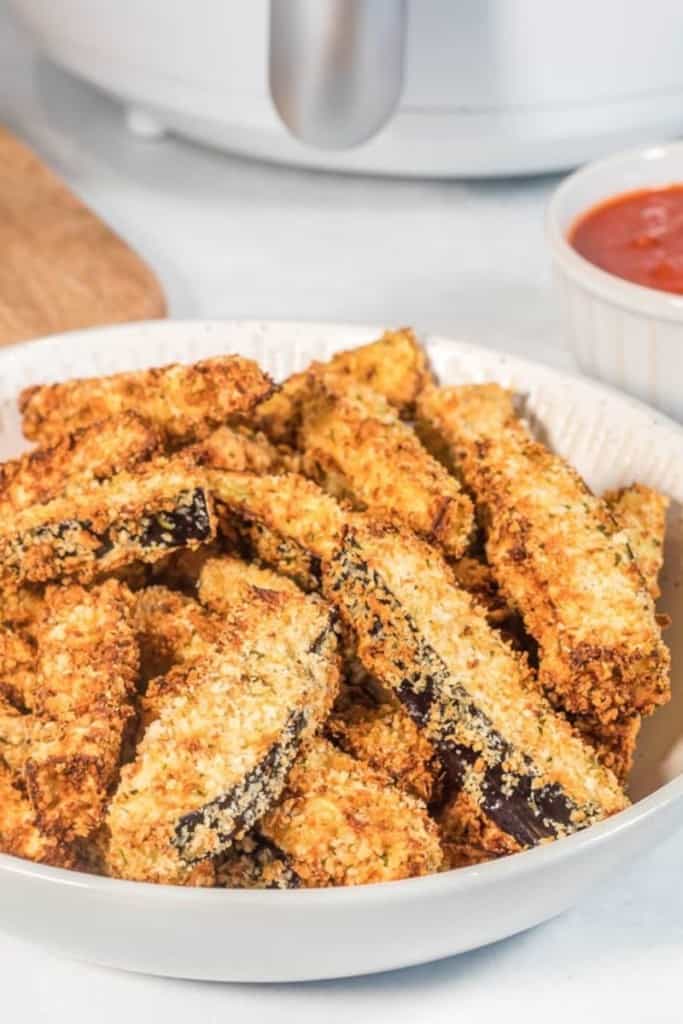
<point>622,333</point>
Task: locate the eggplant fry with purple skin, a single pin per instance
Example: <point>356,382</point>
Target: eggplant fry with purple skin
<point>137,516</point>
<point>559,557</point>
<point>641,512</point>
<point>428,642</point>
<point>394,366</point>
<point>184,402</point>
<point>87,675</point>
<point>285,521</point>
<point>219,753</point>
<point>340,822</point>
<point>93,453</point>
<point>356,447</point>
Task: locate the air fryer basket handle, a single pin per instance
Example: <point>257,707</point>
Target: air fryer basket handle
<point>336,67</point>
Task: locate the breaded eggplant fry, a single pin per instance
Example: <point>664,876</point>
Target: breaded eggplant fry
<point>218,755</point>
<point>87,675</point>
<point>13,737</point>
<point>17,668</point>
<point>356,447</point>
<point>285,521</point>
<point>559,558</point>
<point>94,453</point>
<point>395,366</point>
<point>22,610</point>
<point>471,694</point>
<point>641,511</point>
<point>239,450</point>
<point>384,736</point>
<point>256,863</point>
<point>184,402</point>
<point>339,822</point>
<point>137,516</point>
<point>226,582</point>
<point>20,835</point>
<point>470,837</point>
<point>171,629</point>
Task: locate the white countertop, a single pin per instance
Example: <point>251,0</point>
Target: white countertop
<point>233,238</point>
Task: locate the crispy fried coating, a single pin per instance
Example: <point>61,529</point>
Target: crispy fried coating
<point>94,453</point>
<point>340,823</point>
<point>558,556</point>
<point>470,837</point>
<point>239,450</point>
<point>226,582</point>
<point>384,736</point>
<point>17,668</point>
<point>256,863</point>
<point>394,366</point>
<point>87,675</point>
<point>13,736</point>
<point>184,402</point>
<point>469,692</point>
<point>22,609</point>
<point>357,448</point>
<point>20,835</point>
<point>136,516</point>
<point>641,512</point>
<point>219,753</point>
<point>285,521</point>
<point>171,629</point>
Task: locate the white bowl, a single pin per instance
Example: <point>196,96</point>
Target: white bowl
<point>623,333</point>
<point>297,935</point>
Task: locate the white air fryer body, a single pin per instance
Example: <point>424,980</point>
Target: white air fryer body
<point>489,87</point>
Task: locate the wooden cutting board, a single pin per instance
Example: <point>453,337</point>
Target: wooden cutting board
<point>60,266</point>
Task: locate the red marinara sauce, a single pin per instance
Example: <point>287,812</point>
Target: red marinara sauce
<point>637,236</point>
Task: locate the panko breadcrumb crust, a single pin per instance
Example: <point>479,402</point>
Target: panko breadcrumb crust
<point>215,671</point>
<point>88,663</point>
<point>559,556</point>
<point>184,402</point>
<point>357,448</point>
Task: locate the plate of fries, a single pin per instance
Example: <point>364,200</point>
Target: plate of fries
<point>325,649</point>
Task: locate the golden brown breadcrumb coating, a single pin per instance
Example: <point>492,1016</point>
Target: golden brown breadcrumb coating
<point>356,447</point>
<point>641,512</point>
<point>20,835</point>
<point>340,823</point>
<point>286,521</point>
<point>394,366</point>
<point>171,629</point>
<point>471,694</point>
<point>94,453</point>
<point>184,402</point>
<point>13,736</point>
<point>384,736</point>
<point>17,668</point>
<point>238,449</point>
<point>559,558</point>
<point>225,582</point>
<point>87,675</point>
<point>135,516</point>
<point>255,863</point>
<point>470,837</point>
<point>218,755</point>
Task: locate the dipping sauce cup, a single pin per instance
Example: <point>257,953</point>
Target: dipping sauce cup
<point>617,250</point>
